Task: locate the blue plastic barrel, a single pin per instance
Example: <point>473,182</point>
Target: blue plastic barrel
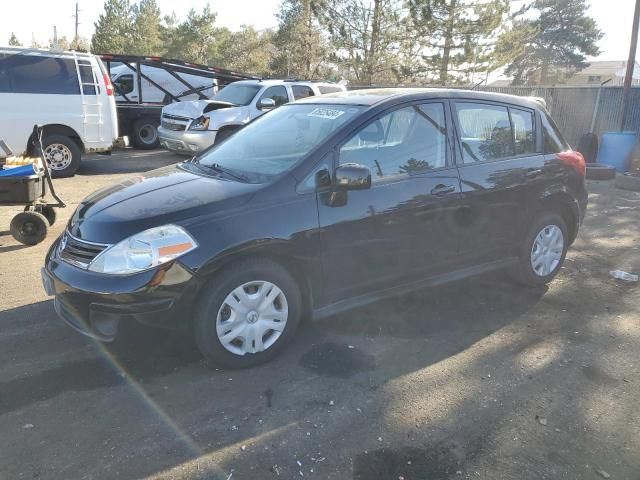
<point>615,150</point>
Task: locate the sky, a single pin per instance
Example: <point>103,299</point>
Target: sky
<point>37,18</point>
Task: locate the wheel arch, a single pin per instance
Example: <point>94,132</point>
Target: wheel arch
<point>560,201</point>
<point>65,130</point>
<point>277,251</point>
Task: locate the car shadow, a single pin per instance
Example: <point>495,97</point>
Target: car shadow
<point>130,161</point>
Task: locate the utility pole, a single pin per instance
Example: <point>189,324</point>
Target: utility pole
<point>631,63</point>
<point>75,38</point>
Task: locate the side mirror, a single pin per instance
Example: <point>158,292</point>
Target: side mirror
<point>352,176</point>
<point>266,104</point>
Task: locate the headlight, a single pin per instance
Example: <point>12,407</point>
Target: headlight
<point>201,123</point>
<point>144,250</point>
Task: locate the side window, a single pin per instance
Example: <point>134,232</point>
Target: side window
<point>486,132</point>
<point>301,91</point>
<point>37,74</point>
<point>329,89</point>
<point>5,84</point>
<point>523,131</point>
<point>553,141</point>
<point>407,141</point>
<point>277,93</point>
<point>124,83</point>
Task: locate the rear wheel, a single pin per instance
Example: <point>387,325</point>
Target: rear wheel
<point>29,228</point>
<point>47,210</point>
<point>145,134</point>
<point>247,314</point>
<point>543,251</point>
<point>62,154</point>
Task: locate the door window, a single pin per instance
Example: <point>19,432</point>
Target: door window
<point>408,141</point>
<point>38,74</point>
<point>278,94</point>
<point>301,91</point>
<point>523,131</point>
<point>485,131</point>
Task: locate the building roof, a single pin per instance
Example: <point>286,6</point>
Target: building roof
<point>607,67</point>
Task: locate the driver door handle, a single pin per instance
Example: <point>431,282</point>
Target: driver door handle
<point>441,189</point>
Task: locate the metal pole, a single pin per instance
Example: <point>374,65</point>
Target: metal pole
<point>631,63</point>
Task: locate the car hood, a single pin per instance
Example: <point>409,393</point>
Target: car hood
<point>195,108</point>
<point>167,195</point>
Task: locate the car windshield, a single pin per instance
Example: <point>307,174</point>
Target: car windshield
<point>237,94</point>
<point>275,142</point>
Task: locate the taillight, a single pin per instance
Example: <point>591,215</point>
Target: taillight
<point>575,160</point>
<point>107,84</point>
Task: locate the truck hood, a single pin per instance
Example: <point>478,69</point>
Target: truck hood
<point>167,195</point>
<point>195,108</point>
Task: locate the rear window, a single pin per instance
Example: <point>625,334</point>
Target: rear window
<point>38,74</point>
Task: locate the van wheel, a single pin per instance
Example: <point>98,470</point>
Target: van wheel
<point>247,314</point>
<point>145,134</point>
<point>29,228</point>
<point>62,154</point>
<point>543,250</point>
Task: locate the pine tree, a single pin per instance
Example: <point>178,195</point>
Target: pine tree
<point>553,45</point>
<point>300,46</point>
<point>13,40</point>
<point>147,29</point>
<point>457,36</point>
<point>246,50</point>
<point>192,39</point>
<point>365,35</point>
<point>113,30</point>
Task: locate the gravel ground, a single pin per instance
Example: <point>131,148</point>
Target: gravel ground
<point>478,379</point>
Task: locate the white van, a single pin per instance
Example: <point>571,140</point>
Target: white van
<point>69,94</point>
<point>126,80</point>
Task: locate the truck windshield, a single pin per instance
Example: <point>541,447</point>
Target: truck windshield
<point>237,94</point>
<point>277,141</point>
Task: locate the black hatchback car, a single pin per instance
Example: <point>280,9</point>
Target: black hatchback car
<point>319,206</point>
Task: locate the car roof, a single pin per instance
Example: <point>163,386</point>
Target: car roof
<point>44,52</point>
<point>274,81</point>
<point>372,97</point>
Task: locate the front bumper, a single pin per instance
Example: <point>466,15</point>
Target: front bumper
<point>96,304</point>
<point>186,141</point>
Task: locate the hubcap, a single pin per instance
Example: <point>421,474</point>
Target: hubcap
<point>547,250</point>
<point>252,317</point>
<point>58,156</point>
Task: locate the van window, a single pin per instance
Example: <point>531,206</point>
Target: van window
<point>38,74</point>
<point>301,91</point>
<point>486,132</point>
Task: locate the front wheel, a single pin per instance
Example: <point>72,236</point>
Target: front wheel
<point>62,154</point>
<point>247,314</point>
<point>543,251</point>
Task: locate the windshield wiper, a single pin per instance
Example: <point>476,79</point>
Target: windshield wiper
<point>220,169</point>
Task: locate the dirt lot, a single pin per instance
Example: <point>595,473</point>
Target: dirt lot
<point>474,380</point>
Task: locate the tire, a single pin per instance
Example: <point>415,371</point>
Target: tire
<point>29,228</point>
<point>524,272</point>
<point>46,210</point>
<point>599,171</point>
<point>144,134</point>
<point>63,155</point>
<point>226,132</point>
<point>212,308</point>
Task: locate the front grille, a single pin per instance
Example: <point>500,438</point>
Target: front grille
<point>78,252</point>
<point>178,127</point>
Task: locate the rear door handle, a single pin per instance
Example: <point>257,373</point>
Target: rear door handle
<point>533,172</point>
<point>442,189</point>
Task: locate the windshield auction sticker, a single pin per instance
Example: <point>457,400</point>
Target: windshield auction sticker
<point>326,113</point>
